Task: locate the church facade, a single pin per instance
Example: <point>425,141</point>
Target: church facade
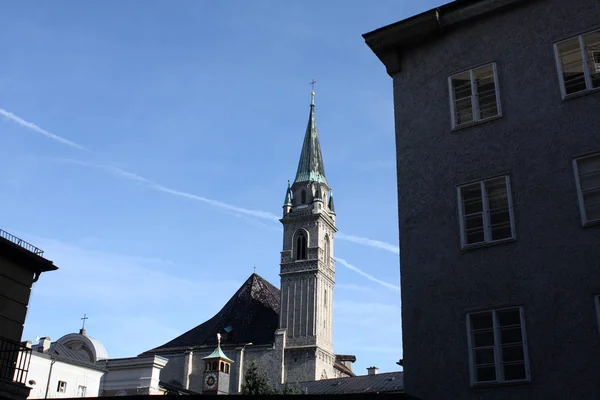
<point>286,332</point>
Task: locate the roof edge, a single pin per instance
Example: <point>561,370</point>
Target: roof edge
<point>25,258</point>
<point>390,41</point>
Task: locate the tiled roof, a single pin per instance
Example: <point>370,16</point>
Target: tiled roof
<point>250,316</point>
<point>390,382</point>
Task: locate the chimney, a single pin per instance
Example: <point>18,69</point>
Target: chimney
<point>44,344</point>
<point>372,370</point>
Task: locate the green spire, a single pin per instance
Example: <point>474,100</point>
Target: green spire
<point>288,196</point>
<point>310,166</point>
<point>218,353</point>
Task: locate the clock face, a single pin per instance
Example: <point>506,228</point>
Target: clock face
<point>210,381</point>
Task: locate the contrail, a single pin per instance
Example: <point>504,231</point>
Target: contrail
<point>369,242</point>
<point>157,186</point>
<point>34,127</point>
<point>368,276</point>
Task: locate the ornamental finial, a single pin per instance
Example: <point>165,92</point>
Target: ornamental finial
<point>218,339</point>
<point>312,93</point>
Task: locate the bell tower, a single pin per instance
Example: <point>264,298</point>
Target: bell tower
<point>217,369</point>
<point>307,265</point>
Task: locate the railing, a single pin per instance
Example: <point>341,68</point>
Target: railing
<point>14,361</point>
<point>22,243</point>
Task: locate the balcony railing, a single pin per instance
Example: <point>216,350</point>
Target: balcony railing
<point>14,361</point>
<point>22,243</point>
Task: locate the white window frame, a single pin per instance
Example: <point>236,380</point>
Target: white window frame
<point>474,97</point>
<point>497,351</point>
<point>584,219</point>
<point>81,391</point>
<point>486,225</point>
<point>586,67</point>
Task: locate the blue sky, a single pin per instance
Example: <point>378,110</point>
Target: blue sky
<point>146,147</point>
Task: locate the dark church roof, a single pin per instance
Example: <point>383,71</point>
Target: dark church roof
<point>390,382</point>
<point>250,316</point>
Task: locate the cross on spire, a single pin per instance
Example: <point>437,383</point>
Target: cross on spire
<point>312,83</point>
<point>84,319</point>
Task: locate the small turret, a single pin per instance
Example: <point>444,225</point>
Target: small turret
<point>287,204</point>
<point>330,205</point>
<point>318,193</point>
<point>216,373</point>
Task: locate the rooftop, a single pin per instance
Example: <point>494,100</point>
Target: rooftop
<point>20,242</point>
<point>390,382</point>
<point>391,41</point>
<point>24,254</point>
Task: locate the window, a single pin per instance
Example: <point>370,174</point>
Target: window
<point>300,245</point>
<point>497,346</point>
<point>485,211</point>
<point>474,95</point>
<point>303,196</point>
<point>62,387</point>
<point>587,177</point>
<point>81,391</point>
<point>578,63</point>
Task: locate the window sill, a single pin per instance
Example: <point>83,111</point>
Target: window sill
<point>473,123</point>
<point>487,244</point>
<point>589,224</point>
<point>581,93</point>
<point>481,385</point>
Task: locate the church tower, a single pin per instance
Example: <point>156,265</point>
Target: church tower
<point>307,266</point>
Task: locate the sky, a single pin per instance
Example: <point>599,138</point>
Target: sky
<point>146,148</point>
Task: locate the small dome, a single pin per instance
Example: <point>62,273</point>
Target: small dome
<point>84,346</point>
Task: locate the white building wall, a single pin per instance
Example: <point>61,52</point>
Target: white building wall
<point>73,375</point>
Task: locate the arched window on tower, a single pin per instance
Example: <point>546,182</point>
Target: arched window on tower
<point>301,244</point>
<point>303,196</point>
<point>326,250</point>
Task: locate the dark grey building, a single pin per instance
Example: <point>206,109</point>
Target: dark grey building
<point>497,109</point>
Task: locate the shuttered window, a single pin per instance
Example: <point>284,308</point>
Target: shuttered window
<point>474,95</point>
<point>578,63</point>
<point>587,176</point>
<point>485,211</point>
<point>497,346</point>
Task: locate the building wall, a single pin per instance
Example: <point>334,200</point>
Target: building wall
<point>15,287</point>
<point>73,375</point>
<point>132,376</point>
<point>552,269</point>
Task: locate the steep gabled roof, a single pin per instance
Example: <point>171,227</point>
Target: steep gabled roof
<point>250,316</point>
